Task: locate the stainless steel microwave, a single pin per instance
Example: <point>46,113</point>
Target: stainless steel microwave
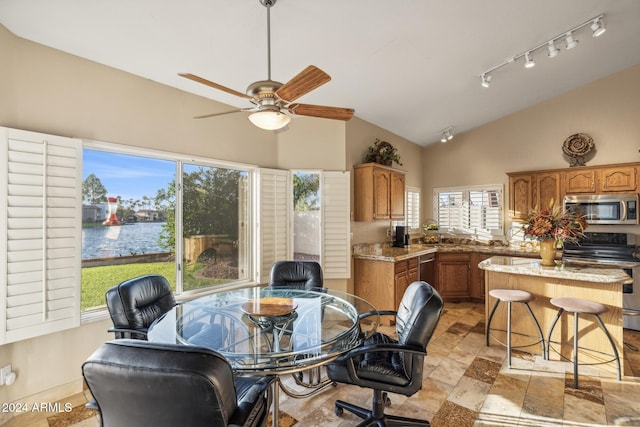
<point>605,208</point>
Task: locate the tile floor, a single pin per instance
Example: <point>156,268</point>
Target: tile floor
<point>465,384</point>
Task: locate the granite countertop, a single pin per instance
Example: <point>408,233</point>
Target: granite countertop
<point>532,267</point>
<point>384,252</point>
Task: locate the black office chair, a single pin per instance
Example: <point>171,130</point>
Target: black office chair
<point>141,383</point>
<point>388,365</point>
<point>296,275</point>
<point>136,303</point>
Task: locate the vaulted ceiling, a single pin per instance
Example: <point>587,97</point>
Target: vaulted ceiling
<point>411,67</point>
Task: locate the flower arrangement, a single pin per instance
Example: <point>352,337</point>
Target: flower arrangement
<point>383,153</point>
<point>554,223</point>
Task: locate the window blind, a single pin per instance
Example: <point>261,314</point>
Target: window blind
<point>475,210</point>
<point>41,198</point>
<point>336,225</point>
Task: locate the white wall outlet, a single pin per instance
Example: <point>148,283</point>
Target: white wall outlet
<point>4,373</point>
<point>389,232</point>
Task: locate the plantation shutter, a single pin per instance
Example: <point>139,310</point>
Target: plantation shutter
<point>41,200</point>
<point>450,210</point>
<point>273,212</point>
<point>336,225</point>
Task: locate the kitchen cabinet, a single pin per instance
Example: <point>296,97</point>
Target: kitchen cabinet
<point>383,283</point>
<point>477,275</point>
<point>528,190</point>
<point>378,193</point>
<point>601,180</point>
<point>580,181</point>
<point>453,276</point>
<point>520,196</point>
<point>615,179</point>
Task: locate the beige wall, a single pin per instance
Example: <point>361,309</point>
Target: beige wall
<point>608,110</point>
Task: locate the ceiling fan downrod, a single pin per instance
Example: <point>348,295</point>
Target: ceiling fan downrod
<point>268,4</point>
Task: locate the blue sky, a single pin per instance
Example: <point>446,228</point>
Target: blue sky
<point>130,177</point>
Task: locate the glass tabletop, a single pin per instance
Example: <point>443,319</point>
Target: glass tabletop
<point>270,330</point>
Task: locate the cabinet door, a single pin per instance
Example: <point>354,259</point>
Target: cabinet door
<point>477,275</point>
<point>397,195</point>
<point>381,190</point>
<point>618,179</point>
<point>547,190</point>
<point>520,191</point>
<point>580,181</point>
<point>453,276</point>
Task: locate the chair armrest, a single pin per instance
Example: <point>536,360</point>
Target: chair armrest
<point>127,330</point>
<point>376,313</point>
<point>373,348</point>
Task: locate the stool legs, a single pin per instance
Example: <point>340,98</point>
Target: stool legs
<point>509,303</point>
<point>576,317</point>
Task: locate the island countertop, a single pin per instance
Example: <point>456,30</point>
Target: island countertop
<point>532,267</point>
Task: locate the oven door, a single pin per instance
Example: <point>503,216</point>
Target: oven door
<point>631,301</point>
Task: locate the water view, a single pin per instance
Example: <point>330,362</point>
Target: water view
<point>120,240</point>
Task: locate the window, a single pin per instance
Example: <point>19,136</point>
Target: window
<point>139,219</point>
<point>306,216</point>
<point>412,208</point>
<point>470,210</point>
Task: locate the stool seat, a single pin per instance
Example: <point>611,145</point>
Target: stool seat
<point>513,295</point>
<point>578,305</point>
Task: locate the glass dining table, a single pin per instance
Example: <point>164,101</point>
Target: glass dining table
<point>271,331</point>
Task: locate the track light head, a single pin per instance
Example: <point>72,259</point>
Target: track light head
<point>486,79</point>
<point>570,41</point>
<point>529,62</point>
<point>446,134</point>
<point>598,27</point>
<point>553,50</point>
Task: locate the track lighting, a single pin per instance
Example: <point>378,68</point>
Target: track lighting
<point>596,24</point>
<point>446,135</point>
<point>597,27</point>
<point>529,63</point>
<point>570,42</point>
<point>485,80</point>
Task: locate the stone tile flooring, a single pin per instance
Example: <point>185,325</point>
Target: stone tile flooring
<point>465,384</point>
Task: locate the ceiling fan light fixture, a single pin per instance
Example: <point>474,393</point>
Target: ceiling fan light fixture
<point>598,27</point>
<point>553,50</point>
<point>570,42</point>
<point>269,119</point>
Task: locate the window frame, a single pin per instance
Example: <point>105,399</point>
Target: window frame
<point>465,210</point>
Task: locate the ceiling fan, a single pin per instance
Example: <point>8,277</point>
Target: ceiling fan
<point>274,101</point>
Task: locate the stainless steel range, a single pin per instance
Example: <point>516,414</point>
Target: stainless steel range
<point>614,249</point>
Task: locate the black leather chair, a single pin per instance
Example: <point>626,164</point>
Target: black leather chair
<point>385,364</point>
<point>296,275</point>
<point>141,383</point>
<point>136,303</point>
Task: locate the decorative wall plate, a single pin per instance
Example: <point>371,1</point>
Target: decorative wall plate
<point>577,146</point>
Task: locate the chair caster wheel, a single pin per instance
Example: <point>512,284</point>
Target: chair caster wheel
<point>338,410</point>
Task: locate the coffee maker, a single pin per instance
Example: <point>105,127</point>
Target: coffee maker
<point>400,239</point>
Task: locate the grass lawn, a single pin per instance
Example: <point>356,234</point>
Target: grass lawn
<point>97,280</point>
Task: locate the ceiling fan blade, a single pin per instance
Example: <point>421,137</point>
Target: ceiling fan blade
<point>335,113</point>
<point>213,85</point>
<point>237,110</point>
<point>303,83</point>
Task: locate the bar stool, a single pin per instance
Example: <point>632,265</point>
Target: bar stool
<point>510,296</point>
<point>581,306</point>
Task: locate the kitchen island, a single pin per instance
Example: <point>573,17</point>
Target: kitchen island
<point>603,285</point>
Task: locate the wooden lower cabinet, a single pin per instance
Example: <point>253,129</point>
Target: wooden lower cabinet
<point>383,283</point>
<point>453,276</point>
<point>477,275</point>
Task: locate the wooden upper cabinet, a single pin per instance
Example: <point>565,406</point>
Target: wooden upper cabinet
<point>621,178</point>
<point>580,181</point>
<point>547,189</point>
<point>520,196</point>
<point>397,195</point>
<point>378,193</point>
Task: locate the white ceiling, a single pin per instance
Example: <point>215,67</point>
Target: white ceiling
<point>411,66</point>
